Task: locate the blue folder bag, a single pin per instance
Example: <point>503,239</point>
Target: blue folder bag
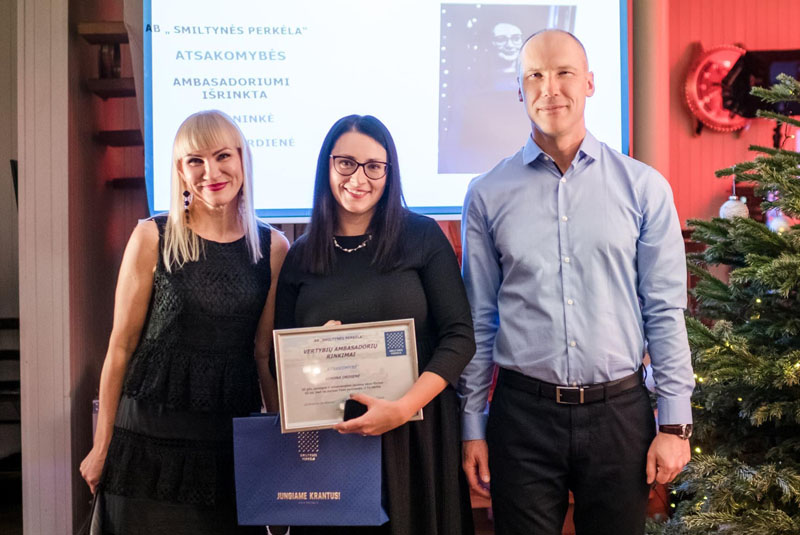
<point>312,478</point>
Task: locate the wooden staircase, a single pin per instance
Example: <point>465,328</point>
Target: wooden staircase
<point>10,450</point>
<point>109,36</point>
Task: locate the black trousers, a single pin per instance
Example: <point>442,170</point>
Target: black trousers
<point>539,450</point>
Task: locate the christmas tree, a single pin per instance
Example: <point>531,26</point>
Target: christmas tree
<point>744,477</point>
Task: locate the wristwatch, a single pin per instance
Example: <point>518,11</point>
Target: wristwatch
<point>684,431</point>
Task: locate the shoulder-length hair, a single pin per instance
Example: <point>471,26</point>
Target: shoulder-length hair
<point>202,131</point>
<point>387,220</point>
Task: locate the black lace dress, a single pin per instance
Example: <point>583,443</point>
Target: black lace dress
<point>169,468</point>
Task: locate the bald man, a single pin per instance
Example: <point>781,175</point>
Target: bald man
<point>573,261</point>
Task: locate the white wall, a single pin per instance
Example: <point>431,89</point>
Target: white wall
<point>42,146</point>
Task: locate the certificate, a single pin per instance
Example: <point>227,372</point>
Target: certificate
<point>319,367</point>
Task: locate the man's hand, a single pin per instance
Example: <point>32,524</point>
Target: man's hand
<point>667,456</point>
<point>475,462</point>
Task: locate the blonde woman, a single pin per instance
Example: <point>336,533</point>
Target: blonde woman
<point>192,325</point>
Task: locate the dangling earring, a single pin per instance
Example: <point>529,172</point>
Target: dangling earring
<point>186,205</point>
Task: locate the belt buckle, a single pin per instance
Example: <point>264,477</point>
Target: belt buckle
<point>560,389</point>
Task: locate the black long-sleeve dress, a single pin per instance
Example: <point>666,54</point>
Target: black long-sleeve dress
<point>424,487</point>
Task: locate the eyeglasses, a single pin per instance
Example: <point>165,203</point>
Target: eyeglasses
<point>515,39</point>
<point>347,166</point>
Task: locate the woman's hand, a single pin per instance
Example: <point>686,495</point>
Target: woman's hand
<point>381,416</point>
<point>92,468</point>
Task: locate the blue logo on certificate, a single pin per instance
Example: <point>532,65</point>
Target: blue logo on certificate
<point>395,343</point>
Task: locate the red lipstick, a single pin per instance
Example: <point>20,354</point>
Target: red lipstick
<point>216,187</point>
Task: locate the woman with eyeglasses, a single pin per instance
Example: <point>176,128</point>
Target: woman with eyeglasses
<point>365,257</point>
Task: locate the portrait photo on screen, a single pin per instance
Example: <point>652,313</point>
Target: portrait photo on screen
<point>481,119</point>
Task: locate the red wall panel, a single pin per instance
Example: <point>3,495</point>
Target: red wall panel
<point>769,24</point>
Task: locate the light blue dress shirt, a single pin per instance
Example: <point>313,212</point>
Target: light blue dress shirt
<point>568,276</point>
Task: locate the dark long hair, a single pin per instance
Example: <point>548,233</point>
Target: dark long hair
<point>318,255</point>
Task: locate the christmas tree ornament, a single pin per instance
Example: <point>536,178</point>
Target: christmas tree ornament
<point>776,221</point>
<point>734,206</point>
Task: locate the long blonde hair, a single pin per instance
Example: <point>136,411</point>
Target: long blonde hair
<point>201,131</point>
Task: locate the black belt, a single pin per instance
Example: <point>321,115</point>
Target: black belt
<point>570,395</point>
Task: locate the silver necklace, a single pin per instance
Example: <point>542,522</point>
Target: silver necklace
<point>354,249</point>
